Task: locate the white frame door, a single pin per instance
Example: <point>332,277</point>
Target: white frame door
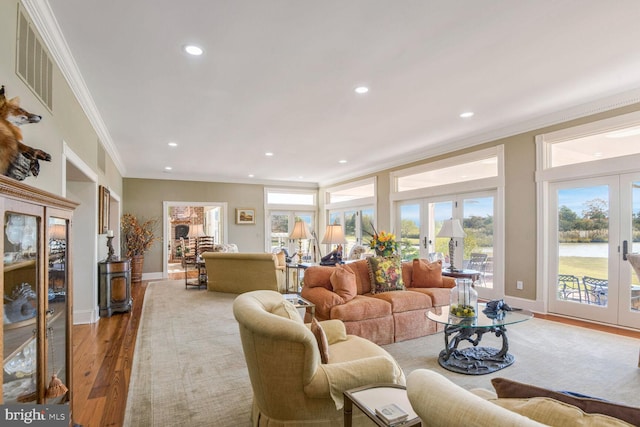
<point>617,309</point>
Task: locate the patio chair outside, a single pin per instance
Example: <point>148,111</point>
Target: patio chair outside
<point>595,290</point>
<point>569,287</point>
<point>478,262</point>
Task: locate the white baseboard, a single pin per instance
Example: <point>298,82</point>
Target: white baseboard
<point>84,317</point>
<point>153,276</point>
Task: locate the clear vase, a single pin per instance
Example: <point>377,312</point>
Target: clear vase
<point>463,301</point>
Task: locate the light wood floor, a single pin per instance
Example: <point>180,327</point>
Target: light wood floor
<point>103,354</point>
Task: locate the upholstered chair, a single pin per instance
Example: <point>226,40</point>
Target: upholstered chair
<point>357,251</point>
<point>440,402</point>
<point>242,272</point>
<point>291,386</point>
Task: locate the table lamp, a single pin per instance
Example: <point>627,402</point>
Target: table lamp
<point>451,228</point>
<point>334,235</point>
<point>300,231</point>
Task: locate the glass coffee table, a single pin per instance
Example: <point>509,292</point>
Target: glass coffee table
<point>476,360</point>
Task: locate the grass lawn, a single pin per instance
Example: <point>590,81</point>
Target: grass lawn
<point>583,266</point>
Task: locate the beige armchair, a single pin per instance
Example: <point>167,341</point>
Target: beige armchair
<point>290,384</point>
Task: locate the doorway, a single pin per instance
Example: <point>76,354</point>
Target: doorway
<point>189,221</point>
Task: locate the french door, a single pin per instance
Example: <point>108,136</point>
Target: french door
<point>594,223</point>
<point>420,221</point>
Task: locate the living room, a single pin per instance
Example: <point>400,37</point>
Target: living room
<point>83,158</point>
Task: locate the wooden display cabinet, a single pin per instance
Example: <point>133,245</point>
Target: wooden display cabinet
<point>36,294</point>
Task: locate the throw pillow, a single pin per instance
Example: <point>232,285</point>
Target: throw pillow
<point>551,412</point>
<point>287,310</point>
<point>321,338</point>
<point>426,274</point>
<point>513,389</point>
<point>343,281</point>
<point>385,274</point>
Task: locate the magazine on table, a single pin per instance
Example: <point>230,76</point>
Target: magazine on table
<point>391,413</point>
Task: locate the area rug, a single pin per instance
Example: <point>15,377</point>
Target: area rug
<point>188,366</point>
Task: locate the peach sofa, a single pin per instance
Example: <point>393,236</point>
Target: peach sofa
<point>384,317</point>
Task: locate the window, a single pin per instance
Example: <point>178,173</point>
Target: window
<point>470,188</point>
<point>352,205</point>
<point>284,207</point>
<point>470,171</point>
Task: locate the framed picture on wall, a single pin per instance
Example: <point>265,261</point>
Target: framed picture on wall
<point>103,209</point>
<point>245,216</point>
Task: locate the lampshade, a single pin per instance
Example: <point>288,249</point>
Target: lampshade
<point>196,230</point>
<point>300,231</point>
<point>334,235</point>
<point>58,232</point>
<point>451,228</point>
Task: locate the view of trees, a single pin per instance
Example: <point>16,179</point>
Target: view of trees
<point>592,226</point>
<point>478,229</point>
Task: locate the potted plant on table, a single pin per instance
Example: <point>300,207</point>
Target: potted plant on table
<point>138,235</point>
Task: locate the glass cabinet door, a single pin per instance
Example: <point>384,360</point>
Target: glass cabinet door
<point>57,307</point>
<point>20,308</point>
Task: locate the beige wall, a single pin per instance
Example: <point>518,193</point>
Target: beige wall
<point>145,197</point>
<point>65,124</point>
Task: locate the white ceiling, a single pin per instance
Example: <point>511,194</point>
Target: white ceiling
<point>278,75</point>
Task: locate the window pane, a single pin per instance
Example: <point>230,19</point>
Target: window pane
<point>471,171</point>
<point>410,231</point>
<point>596,147</point>
<point>279,230</point>
<point>583,244</point>
<point>353,193</point>
<point>278,198</point>
<point>478,242</point>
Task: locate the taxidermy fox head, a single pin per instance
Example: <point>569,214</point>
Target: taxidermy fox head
<point>10,111</point>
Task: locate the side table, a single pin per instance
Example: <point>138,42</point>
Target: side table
<point>300,302</point>
<point>115,286</point>
<point>201,271</point>
<point>368,398</point>
<point>474,275</point>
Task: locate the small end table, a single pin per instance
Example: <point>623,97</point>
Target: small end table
<point>370,397</point>
<point>474,275</point>
<point>201,279</point>
<point>300,302</point>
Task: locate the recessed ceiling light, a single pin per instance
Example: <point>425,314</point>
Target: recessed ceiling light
<point>193,50</point>
<point>467,114</point>
<point>251,175</point>
<point>268,154</point>
<point>342,161</point>
<point>168,168</point>
<point>361,89</point>
<point>173,144</point>
<point>597,154</point>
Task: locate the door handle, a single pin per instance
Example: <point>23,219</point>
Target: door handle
<point>625,249</point>
<point>425,242</point>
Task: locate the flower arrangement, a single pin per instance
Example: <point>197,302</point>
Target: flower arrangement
<point>137,236</point>
<point>383,243</point>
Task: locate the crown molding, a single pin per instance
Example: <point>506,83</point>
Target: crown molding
<point>45,22</point>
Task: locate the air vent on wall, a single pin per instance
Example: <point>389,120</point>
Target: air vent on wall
<point>33,63</point>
